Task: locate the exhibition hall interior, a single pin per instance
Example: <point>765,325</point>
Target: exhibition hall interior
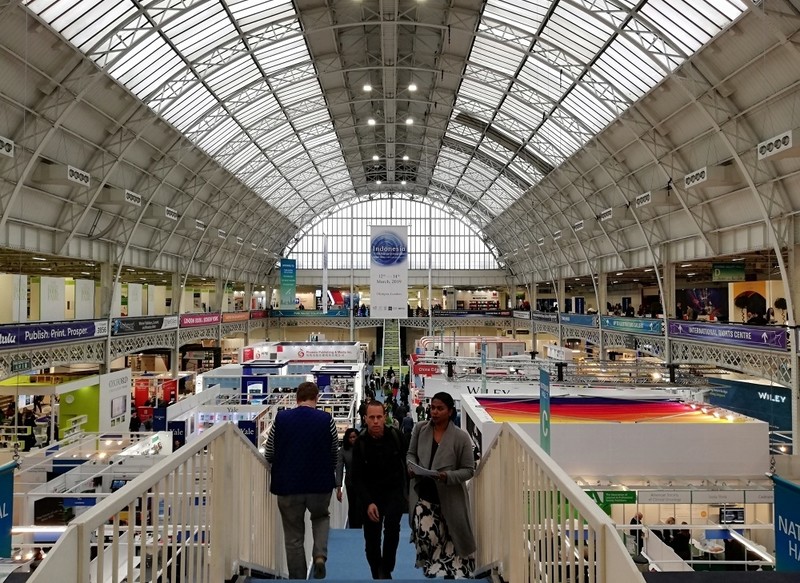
<point>572,219</point>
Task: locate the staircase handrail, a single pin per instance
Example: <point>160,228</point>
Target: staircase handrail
<point>210,495</point>
<point>534,523</point>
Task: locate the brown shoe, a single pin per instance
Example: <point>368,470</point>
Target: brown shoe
<point>319,568</point>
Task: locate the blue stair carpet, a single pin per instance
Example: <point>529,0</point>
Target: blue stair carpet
<point>347,561</point>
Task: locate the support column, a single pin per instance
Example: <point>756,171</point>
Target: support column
<point>533,294</point>
<point>177,293</point>
<point>794,281</point>
<point>668,303</point>
<point>602,309</point>
<point>218,305</point>
<point>561,292</point>
<point>106,289</point>
<point>247,298</point>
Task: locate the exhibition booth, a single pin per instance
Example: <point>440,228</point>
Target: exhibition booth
<point>654,454</point>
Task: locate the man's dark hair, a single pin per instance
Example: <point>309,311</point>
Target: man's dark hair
<point>307,391</point>
<point>376,403</point>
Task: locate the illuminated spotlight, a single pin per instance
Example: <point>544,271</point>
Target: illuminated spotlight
<point>367,87</point>
<point>405,158</point>
<point>403,182</point>
<point>782,448</point>
<point>377,182</point>
<point>371,121</point>
<point>412,87</point>
<point>375,157</point>
<point>409,121</point>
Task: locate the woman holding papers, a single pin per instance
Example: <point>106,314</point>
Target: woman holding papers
<point>440,461</point>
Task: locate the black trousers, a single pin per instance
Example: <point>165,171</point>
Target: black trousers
<point>382,560</point>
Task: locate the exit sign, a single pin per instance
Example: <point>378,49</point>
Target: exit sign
<point>21,365</point>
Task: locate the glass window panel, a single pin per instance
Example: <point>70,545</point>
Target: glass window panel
<point>526,14</point>
<point>496,56</point>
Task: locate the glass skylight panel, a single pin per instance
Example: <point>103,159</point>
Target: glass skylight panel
<point>219,136</point>
<point>232,78</point>
<point>94,21</point>
<point>299,91</point>
<point>525,14</point>
<point>150,65</point>
<point>195,29</point>
<point>462,132</point>
<point>192,105</point>
<point>282,54</point>
<point>624,66</point>
<point>495,56</point>
<point>543,79</point>
<point>482,92</point>
<point>576,33</point>
<point>513,107</point>
<point>584,107</point>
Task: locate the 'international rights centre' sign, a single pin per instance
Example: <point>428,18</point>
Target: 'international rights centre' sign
<point>769,337</point>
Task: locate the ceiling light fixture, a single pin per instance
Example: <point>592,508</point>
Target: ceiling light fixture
<point>412,87</point>
<point>686,264</point>
<point>375,157</point>
<point>371,121</point>
<point>405,158</point>
<point>367,87</point>
<point>377,182</point>
<point>403,182</point>
<point>409,121</point>
<point>690,274</point>
<point>85,273</point>
<point>46,269</point>
<point>39,259</point>
<point>619,273</point>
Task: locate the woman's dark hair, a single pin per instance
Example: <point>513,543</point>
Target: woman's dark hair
<point>446,399</point>
<point>346,440</point>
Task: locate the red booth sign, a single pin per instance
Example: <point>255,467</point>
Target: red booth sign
<point>427,370</point>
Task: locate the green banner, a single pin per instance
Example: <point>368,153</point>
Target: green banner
<point>288,284</point>
<point>544,410</point>
<point>727,271</point>
<point>612,496</point>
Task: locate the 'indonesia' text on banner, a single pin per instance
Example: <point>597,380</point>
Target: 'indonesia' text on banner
<point>388,251</point>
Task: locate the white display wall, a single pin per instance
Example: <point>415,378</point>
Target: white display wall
<point>644,449</point>
<point>84,299</point>
<point>14,287</point>
<point>52,299</point>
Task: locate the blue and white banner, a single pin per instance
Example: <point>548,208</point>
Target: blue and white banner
<point>579,319</point>
<point>634,325</point>
<point>388,259</point>
<point>544,410</point>
<point>6,506</point>
<point>787,525</point>
<point>288,284</point>
<point>27,334</point>
<point>324,273</point>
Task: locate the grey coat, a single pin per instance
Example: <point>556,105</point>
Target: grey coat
<point>455,457</point>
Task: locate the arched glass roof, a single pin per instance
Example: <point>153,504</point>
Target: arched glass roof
<point>298,99</point>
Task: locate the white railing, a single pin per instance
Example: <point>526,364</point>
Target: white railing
<point>534,524</point>
<point>198,515</point>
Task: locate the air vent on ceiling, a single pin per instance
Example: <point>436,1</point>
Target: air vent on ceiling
<point>6,147</point>
<point>720,175</point>
<point>779,147</point>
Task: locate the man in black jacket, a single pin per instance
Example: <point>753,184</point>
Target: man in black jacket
<point>379,479</point>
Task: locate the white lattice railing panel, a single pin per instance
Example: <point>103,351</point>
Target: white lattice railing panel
<point>772,365</point>
<point>93,351</point>
<point>652,345</point>
<point>232,328</point>
<point>583,332</point>
<point>545,328</point>
<point>195,334</point>
<point>133,343</point>
<point>260,323</point>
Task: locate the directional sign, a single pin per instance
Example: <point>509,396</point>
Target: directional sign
<point>744,335</point>
<point>634,325</point>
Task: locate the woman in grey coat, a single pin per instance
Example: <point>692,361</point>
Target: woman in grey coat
<point>438,502</point>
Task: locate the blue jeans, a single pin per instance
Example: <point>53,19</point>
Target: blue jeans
<point>293,510</point>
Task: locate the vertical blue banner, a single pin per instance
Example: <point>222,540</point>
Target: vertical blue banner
<point>6,506</point>
<point>288,284</point>
<point>787,526</point>
<point>544,410</point>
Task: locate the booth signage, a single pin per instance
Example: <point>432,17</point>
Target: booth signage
<point>665,497</point>
<point>288,283</point>
<point>249,430</point>
<point>189,320</point>
<point>6,507</point>
<point>727,271</point>
<point>736,335</point>
<point>146,324</point>
<point>308,313</point>
<point>522,315</point>
<point>388,252</point>
<point>23,335</point>
<point>426,369</point>
<point>635,325</point>
<point>759,497</point>
<point>314,352</point>
<point>258,314</point>
<point>579,319</point>
<point>787,525</point>
<point>79,501</point>
<point>718,497</point>
<point>545,316</point>
<point>613,496</point>
<point>235,317</point>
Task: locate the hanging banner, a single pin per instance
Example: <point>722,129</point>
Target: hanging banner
<point>288,284</point>
<point>6,504</point>
<point>388,252</point>
<point>787,525</point>
<point>768,337</point>
<point>324,274</point>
